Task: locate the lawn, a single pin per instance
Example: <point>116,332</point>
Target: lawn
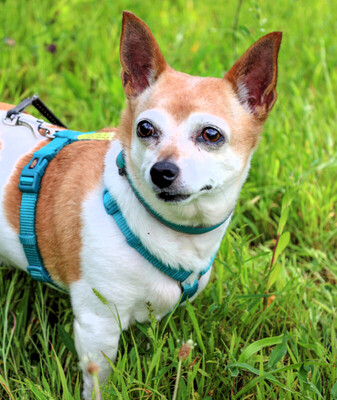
<point>265,327</point>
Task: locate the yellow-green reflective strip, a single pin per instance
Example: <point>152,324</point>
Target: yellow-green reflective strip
<point>97,136</point>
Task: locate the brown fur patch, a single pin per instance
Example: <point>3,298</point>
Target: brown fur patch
<point>107,129</point>
<point>63,189</point>
<point>169,152</point>
<point>126,126</point>
<point>5,106</point>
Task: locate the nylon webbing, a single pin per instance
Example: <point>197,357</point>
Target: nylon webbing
<point>29,185</point>
<point>179,275</point>
<point>190,230</point>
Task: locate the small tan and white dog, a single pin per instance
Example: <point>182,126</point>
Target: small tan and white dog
<point>187,144</point>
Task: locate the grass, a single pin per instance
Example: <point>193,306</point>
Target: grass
<point>265,327</point>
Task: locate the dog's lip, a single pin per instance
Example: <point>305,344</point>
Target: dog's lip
<point>206,187</point>
<point>175,197</point>
<point>172,197</point>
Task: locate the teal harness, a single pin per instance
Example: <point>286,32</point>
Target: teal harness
<point>29,185</point>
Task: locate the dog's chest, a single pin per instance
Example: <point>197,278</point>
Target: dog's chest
<point>119,272</point>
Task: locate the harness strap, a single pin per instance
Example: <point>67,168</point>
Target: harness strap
<point>29,185</point>
<point>190,230</point>
<point>179,275</point>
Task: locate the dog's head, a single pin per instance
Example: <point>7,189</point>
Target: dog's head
<point>188,140</point>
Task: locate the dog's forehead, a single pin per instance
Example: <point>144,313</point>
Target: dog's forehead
<point>181,95</point>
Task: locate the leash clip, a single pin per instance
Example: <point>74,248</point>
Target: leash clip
<point>11,120</point>
<point>37,126</point>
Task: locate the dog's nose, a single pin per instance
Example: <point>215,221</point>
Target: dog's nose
<point>163,173</point>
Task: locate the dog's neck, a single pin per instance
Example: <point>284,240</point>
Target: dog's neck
<point>176,248</point>
<point>149,229</point>
<point>189,229</point>
<point>209,209</point>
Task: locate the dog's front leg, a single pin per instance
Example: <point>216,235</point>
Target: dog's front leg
<point>96,331</point>
<point>94,336</point>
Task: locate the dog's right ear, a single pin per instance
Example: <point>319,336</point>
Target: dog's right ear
<point>140,56</point>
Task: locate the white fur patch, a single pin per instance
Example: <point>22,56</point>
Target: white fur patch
<point>243,96</point>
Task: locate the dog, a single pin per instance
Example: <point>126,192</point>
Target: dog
<point>183,151</point>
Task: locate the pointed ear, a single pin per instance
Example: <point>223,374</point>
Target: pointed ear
<point>254,75</point>
<point>140,56</point>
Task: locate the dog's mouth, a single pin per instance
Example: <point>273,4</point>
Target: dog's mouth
<point>206,187</point>
<point>176,197</point>
<point>172,197</point>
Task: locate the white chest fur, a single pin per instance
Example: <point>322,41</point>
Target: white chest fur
<point>120,274</point>
<point>116,269</point>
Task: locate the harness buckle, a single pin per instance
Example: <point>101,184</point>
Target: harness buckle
<point>189,290</point>
<point>32,174</point>
<point>28,239</point>
<point>11,120</point>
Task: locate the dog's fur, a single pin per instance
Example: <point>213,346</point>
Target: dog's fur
<point>81,245</point>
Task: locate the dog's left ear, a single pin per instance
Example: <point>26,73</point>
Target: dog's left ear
<point>254,75</point>
<point>140,56</point>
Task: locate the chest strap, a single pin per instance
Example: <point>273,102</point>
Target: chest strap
<point>179,275</point>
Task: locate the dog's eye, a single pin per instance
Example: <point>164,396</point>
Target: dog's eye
<point>211,135</point>
<point>145,129</point>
